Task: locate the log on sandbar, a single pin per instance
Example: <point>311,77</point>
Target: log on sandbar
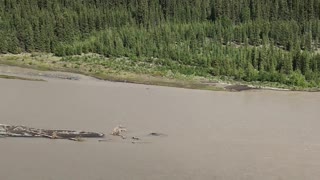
<point>23,131</point>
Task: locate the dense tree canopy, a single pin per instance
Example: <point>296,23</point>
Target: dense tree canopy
<point>266,40</point>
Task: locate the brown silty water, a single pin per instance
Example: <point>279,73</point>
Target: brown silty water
<point>261,135</point>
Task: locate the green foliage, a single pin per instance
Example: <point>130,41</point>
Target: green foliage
<point>251,40</point>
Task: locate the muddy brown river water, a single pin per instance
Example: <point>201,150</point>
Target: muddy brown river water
<point>253,135</point>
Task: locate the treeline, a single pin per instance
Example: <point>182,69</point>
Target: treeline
<point>267,40</point>
<point>40,25</point>
<point>192,45</point>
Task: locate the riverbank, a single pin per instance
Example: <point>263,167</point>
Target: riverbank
<point>48,62</point>
<point>19,78</point>
<point>131,71</point>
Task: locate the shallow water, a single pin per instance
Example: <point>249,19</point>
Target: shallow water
<point>261,135</point>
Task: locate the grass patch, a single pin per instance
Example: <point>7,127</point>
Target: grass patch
<point>19,78</point>
<point>117,69</point>
<point>149,71</point>
<point>158,81</point>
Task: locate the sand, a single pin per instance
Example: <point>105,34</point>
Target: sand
<point>263,135</point>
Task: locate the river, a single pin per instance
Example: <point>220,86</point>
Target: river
<point>265,135</point>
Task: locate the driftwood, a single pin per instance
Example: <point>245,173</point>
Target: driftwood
<point>157,134</point>
<point>23,131</point>
<point>117,131</point>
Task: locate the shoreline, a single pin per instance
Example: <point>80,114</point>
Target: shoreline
<point>2,76</point>
<point>49,66</point>
<point>33,74</point>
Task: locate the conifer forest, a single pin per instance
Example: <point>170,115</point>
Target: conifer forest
<point>248,40</point>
